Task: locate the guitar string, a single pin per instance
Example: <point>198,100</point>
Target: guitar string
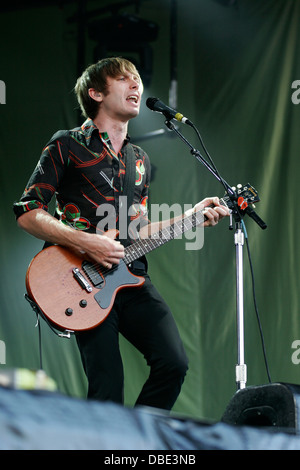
<point>142,244</point>
<point>193,220</point>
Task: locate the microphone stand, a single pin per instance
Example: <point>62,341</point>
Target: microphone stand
<point>241,367</point>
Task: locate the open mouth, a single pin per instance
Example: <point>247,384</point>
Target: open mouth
<point>133,99</point>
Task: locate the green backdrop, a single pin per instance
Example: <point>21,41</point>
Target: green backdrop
<point>236,68</point>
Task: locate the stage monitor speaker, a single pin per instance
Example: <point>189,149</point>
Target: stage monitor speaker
<point>276,404</point>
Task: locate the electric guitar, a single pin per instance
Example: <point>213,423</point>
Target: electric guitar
<point>74,294</point>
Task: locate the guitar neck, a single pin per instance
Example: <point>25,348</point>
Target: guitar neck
<point>144,246</point>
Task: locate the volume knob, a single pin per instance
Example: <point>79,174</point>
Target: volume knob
<point>69,311</point>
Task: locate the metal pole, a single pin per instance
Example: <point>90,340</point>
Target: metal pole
<point>241,368</point>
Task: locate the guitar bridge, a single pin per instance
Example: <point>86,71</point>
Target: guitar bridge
<point>81,280</point>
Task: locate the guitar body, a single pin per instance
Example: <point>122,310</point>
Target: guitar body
<point>67,297</point>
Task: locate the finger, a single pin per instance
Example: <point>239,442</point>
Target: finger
<point>106,265</point>
<point>212,216</point>
<point>117,247</point>
<point>208,201</point>
<point>215,201</point>
<point>114,257</point>
<point>117,252</point>
<point>222,211</point>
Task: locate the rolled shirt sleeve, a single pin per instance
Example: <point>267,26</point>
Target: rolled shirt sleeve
<point>45,178</point>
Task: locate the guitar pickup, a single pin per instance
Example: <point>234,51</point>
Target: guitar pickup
<point>93,273</point>
<point>81,280</point>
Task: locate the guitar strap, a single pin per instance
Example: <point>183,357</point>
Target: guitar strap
<point>129,180</point>
<point>128,190</point>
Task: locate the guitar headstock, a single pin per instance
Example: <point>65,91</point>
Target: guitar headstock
<point>246,195</point>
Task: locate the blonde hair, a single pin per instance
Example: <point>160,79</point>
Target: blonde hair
<point>95,77</point>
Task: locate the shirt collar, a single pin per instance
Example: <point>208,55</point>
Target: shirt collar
<point>87,129</point>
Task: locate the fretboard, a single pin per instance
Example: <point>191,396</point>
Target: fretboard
<point>143,246</point>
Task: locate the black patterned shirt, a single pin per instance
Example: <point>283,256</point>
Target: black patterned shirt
<point>80,168</point>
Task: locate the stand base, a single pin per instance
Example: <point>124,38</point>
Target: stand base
<point>276,404</point>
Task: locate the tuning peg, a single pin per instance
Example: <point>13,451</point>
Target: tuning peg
<point>239,186</point>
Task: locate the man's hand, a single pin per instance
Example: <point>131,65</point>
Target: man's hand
<point>103,249</point>
<point>215,213</point>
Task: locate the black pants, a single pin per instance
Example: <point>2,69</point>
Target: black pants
<point>143,318</point>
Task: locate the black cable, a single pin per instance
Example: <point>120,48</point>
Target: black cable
<point>210,158</point>
<point>40,342</point>
<point>255,304</point>
<point>39,315</point>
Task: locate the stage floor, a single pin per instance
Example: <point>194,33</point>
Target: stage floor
<point>43,420</point>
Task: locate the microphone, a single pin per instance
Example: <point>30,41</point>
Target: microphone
<point>156,105</point>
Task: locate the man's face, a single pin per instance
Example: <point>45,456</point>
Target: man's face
<point>123,97</point>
